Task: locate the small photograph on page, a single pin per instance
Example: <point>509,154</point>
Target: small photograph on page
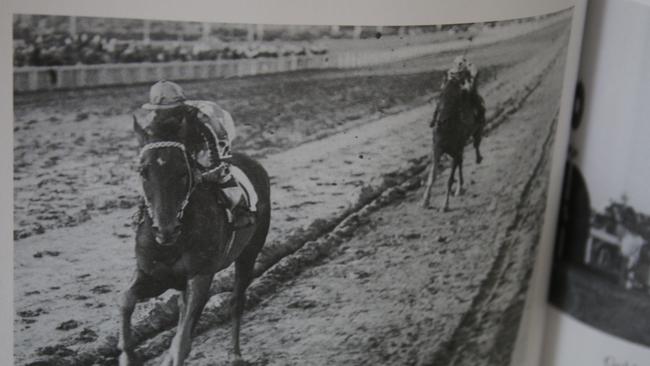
<point>601,274</point>
<point>602,269</point>
<point>207,194</point>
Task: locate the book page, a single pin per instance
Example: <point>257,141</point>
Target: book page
<point>601,280</point>
<point>260,183</point>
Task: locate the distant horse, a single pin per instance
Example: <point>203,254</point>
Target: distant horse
<point>459,115</point>
<point>183,237</point>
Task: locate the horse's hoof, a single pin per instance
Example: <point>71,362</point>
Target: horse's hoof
<point>479,160</point>
<point>128,360</point>
<point>168,360</point>
<point>239,362</point>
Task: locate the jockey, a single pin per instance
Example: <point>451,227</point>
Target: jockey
<point>217,130</point>
<point>466,72</point>
<point>631,245</point>
<point>459,70</point>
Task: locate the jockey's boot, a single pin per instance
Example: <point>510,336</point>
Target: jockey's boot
<point>241,215</point>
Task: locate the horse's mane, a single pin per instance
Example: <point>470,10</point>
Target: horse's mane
<point>167,125</point>
<point>167,129</point>
<point>451,89</point>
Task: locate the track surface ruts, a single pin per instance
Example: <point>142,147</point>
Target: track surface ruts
<point>74,273</point>
<point>415,286</point>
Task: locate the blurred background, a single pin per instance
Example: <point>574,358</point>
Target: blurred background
<point>336,114</point>
<point>69,52</point>
<point>68,40</point>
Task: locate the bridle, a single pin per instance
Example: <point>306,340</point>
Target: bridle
<point>191,186</point>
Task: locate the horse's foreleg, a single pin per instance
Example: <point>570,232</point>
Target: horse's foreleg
<point>125,343</point>
<point>195,296</point>
<point>450,183</point>
<point>182,310</point>
<point>138,289</point>
<point>142,287</point>
<point>433,172</point>
<point>431,176</point>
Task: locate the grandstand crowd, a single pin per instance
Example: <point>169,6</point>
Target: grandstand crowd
<point>61,49</point>
<point>41,40</point>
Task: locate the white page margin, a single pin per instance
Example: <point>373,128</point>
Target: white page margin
<point>361,12</point>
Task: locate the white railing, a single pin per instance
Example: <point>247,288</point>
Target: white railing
<point>32,78</point>
<point>82,76</point>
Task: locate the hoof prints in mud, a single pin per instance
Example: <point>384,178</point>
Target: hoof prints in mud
<point>310,246</point>
<point>321,240</point>
<point>81,348</point>
<point>290,266</point>
<point>47,253</point>
<point>67,325</point>
<point>318,108</point>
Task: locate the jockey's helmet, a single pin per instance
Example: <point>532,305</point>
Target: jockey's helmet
<point>460,63</point>
<point>164,95</point>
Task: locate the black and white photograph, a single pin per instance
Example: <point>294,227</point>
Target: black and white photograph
<point>602,268</point>
<point>601,273</point>
<point>208,193</point>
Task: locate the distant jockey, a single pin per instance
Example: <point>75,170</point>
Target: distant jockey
<point>217,130</point>
<point>463,71</point>
<point>466,72</point>
<point>631,245</point>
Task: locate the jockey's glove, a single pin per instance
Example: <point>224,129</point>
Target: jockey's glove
<point>218,174</point>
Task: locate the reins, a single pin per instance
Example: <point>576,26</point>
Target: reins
<point>191,187</point>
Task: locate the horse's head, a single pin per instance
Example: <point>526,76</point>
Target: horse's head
<point>166,177</point>
<point>461,80</point>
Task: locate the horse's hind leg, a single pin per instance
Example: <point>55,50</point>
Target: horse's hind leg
<point>195,296</point>
<point>459,187</point>
<point>244,266</point>
<point>476,140</point>
<point>431,176</point>
<point>450,183</point>
<point>479,120</point>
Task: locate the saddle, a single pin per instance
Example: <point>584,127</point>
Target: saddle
<point>237,240</point>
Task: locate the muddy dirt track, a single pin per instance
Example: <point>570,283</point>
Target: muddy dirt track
<point>380,280</point>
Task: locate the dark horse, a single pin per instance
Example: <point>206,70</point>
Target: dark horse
<point>459,115</point>
<point>183,237</point>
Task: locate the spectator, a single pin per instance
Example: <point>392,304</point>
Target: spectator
<point>58,49</point>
